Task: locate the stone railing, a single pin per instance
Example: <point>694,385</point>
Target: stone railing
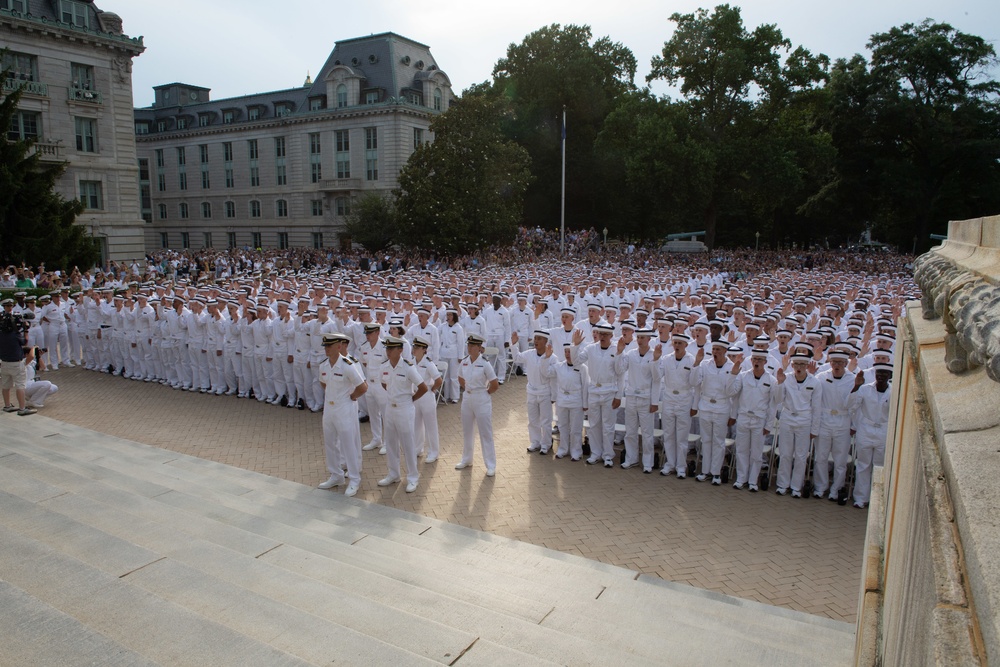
<point>931,574</point>
<point>85,95</point>
<point>26,87</point>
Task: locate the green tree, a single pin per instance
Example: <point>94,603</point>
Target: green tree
<point>737,89</point>
<point>373,222</point>
<point>36,223</point>
<point>553,68</point>
<point>465,190</point>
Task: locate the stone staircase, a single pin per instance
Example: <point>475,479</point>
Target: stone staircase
<point>117,553</point>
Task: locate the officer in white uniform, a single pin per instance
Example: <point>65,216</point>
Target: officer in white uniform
<point>869,405</point>
<point>605,366</point>
<point>642,393</point>
<point>799,400</point>
<point>676,404</point>
<point>754,406</point>
<point>834,435</point>
<point>343,384</point>
<point>537,366</point>
<point>478,380</point>
<point>711,381</point>
<point>425,424</point>
<point>403,385</point>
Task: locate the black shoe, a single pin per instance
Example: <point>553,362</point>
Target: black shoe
<point>364,420</point>
<point>302,404</point>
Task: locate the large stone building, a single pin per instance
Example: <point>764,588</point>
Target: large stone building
<point>280,169</point>
<point>73,65</point>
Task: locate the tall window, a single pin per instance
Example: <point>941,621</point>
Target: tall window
<point>91,195</point>
<point>227,117</point>
<point>418,137</point>
<point>342,141</point>
<point>230,179</point>
<point>203,154</point>
<point>22,66</point>
<point>254,176</point>
<point>185,240</point>
<point>181,156</point>
<point>254,209</point>
<point>227,151</point>
<point>82,76</point>
<point>279,161</point>
<point>371,153</point>
<point>343,205</point>
<point>231,239</point>
<point>283,240</point>
<point>257,240</point>
<point>183,211</point>
<point>253,154</point>
<point>317,207</point>
<point>163,211</point>
<point>317,240</point>
<point>206,210</point>
<point>230,209</point>
<point>86,135</point>
<point>341,96</point>
<point>159,157</point>
<point>227,156</point>
<point>204,120</point>
<point>437,99</point>
<point>207,239</point>
<point>161,182</point>
<point>182,180</point>
<point>315,157</point>
<point>164,240</point>
<point>182,123</point>
<point>24,125</point>
<point>74,13</point>
<point>281,208</point>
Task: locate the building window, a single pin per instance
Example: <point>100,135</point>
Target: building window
<point>257,240</point>
<point>283,240</point>
<point>231,239</point>
<point>74,13</point>
<point>182,180</point>
<point>206,211</point>
<point>227,117</point>
<point>371,97</point>
<point>204,120</point>
<point>181,156</point>
<point>164,240</point>
<point>183,212</point>
<point>203,153</point>
<point>315,104</point>
<point>280,176</point>
<point>317,207</point>
<point>279,147</point>
<point>341,96</point>
<point>418,137</point>
<point>315,145</point>
<point>143,169</point>
<point>86,135</point>
<point>142,127</point>
<point>279,159</point>
<point>207,239</point>
<point>437,99</point>
<point>371,153</point>
<point>23,126</point>
<point>21,66</point>
<point>230,209</point>
<point>206,181</point>
<point>317,171</point>
<point>252,152</point>
<point>182,123</point>
<point>254,209</point>
<point>281,208</point>
<point>163,211</point>
<point>159,157</point>
<point>254,176</point>
<point>230,179</point>
<point>315,157</point>
<point>317,240</point>
<point>343,206</point>
<point>415,98</point>
<point>227,151</point>
<point>253,113</point>
<point>161,182</point>
<point>185,240</point>
<point>13,5</point>
<point>82,76</point>
<point>91,195</point>
<point>161,126</point>
<point>342,144</point>
<point>282,110</point>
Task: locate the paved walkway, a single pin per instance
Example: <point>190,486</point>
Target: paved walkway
<point>800,554</point>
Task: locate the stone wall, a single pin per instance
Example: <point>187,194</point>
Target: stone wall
<point>931,587</point>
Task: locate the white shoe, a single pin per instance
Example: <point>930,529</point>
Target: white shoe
<point>382,450</point>
<point>534,448</point>
<point>701,478</point>
<point>490,472</point>
<point>430,459</point>
<point>352,491</point>
<point>332,482</point>
<point>370,446</point>
<point>462,465</point>
<point>411,487</point>
<point>386,481</point>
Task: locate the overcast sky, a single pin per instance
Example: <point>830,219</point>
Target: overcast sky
<point>238,47</point>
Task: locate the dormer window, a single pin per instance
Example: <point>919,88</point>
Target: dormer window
<point>371,97</point>
<point>341,96</point>
<point>282,109</point>
<point>204,120</point>
<point>74,13</point>
<point>182,123</point>
<point>316,103</point>
<point>227,117</point>
<point>253,113</point>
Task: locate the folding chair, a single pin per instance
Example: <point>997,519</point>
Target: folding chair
<point>491,354</point>
<point>442,367</point>
<point>509,369</point>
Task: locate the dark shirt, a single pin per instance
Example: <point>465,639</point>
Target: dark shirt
<point>11,340</point>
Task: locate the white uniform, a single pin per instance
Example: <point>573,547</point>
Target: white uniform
<point>676,401</point>
<point>477,410</point>
<point>539,398</point>
<point>755,407</point>
<point>834,434</point>
<point>571,383</point>
<point>605,367</point>
<point>642,391</point>
<point>425,424</point>
<point>799,403</point>
<point>400,382</point>
<point>870,420</point>
<point>341,433</point>
<point>712,400</point>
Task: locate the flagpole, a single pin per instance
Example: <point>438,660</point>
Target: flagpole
<point>562,208</point>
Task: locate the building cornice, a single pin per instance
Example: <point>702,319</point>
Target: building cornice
<point>17,21</point>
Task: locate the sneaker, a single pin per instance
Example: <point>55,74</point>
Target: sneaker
<point>701,478</point>
<point>609,464</point>
<point>716,481</point>
<point>796,494</point>
<point>534,448</point>
<point>647,471</point>
<point>490,472</point>
<point>26,411</point>
<point>738,486</point>
<point>332,482</point>
<point>370,446</point>
<point>352,491</point>
<point>626,466</point>
<point>386,481</point>
<point>382,450</point>
<point>10,408</point>
<point>411,487</point>
<point>666,473</point>
<point>681,475</point>
<point>753,488</point>
<point>430,459</point>
<point>818,495</point>
<point>781,492</point>
<point>860,506</point>
<point>592,460</point>
<point>462,465</point>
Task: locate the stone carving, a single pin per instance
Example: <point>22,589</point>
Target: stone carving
<point>123,69</point>
<point>111,22</point>
<point>969,306</point>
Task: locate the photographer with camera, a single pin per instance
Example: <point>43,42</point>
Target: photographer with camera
<point>13,329</point>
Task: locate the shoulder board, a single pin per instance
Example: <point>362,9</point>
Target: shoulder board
<point>349,360</point>
<point>465,357</point>
<point>408,363</point>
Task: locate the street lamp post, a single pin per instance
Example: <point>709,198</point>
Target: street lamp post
<point>757,247</point>
<point>605,236</point>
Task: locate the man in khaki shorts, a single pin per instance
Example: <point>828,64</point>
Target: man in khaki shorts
<point>12,375</point>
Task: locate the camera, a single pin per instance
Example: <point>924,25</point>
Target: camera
<point>15,322</point>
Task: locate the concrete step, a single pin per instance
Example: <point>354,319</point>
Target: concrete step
<point>35,633</point>
<point>159,631</point>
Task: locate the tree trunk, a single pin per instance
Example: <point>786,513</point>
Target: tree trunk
<point>711,214</point>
